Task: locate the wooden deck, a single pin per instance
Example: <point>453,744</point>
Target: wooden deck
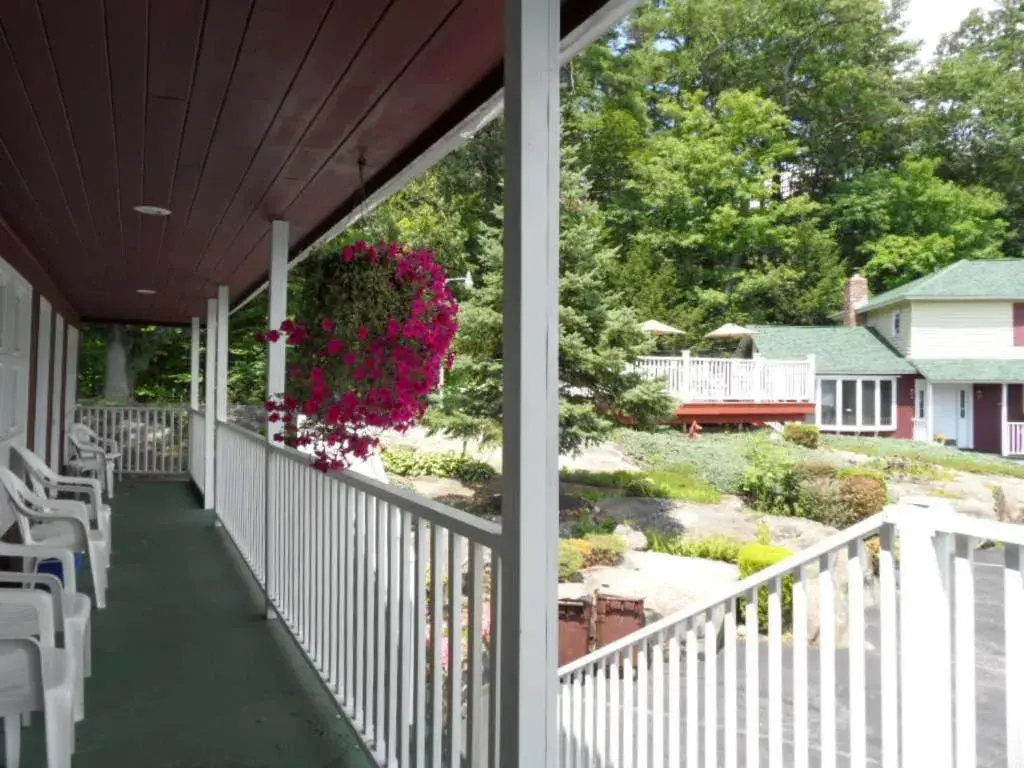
<point>742,413</point>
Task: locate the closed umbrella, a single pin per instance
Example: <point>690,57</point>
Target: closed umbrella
<point>656,328</point>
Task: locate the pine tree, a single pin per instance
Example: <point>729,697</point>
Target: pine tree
<point>599,337</point>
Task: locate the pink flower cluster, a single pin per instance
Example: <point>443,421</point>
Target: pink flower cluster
<point>350,384</point>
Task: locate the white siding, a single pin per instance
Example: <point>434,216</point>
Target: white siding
<point>881,321</point>
<point>963,329</point>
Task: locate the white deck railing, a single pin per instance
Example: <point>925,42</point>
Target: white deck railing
<point>153,438</point>
<point>364,575</point>
<point>1015,438</point>
<point>723,379</point>
<point>197,448</point>
<point>706,688</point>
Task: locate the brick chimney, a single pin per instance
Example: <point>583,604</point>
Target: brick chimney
<point>855,295</point>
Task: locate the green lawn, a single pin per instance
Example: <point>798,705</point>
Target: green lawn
<point>941,455</point>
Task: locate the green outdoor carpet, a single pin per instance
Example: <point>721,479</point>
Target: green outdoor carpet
<point>186,672</point>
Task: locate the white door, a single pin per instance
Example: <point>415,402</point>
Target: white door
<point>965,416</point>
<point>920,411</point>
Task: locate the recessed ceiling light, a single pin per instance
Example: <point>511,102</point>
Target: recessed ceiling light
<point>145,291</point>
<point>152,210</point>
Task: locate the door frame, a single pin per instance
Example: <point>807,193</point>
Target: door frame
<point>921,407</point>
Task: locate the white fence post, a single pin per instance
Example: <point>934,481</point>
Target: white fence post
<point>925,630</point>
<point>1004,432</point>
<point>809,394</point>
<point>760,392</point>
<point>684,393</point>
<point>210,420</point>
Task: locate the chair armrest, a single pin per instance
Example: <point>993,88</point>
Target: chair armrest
<point>72,511</point>
<point>55,588</point>
<point>43,605</point>
<point>46,552</point>
<point>91,449</point>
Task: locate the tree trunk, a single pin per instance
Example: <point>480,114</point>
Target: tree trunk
<point>116,382</point>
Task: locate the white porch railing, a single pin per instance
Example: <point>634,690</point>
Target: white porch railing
<point>720,379</point>
<point>154,439</point>
<point>1015,438</point>
<point>364,575</point>
<point>197,448</point>
<point>705,688</point>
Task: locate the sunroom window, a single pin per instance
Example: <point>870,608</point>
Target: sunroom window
<point>856,404</point>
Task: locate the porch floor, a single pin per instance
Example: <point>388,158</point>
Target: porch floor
<point>186,672</point>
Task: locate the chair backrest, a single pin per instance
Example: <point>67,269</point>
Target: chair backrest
<point>83,434</point>
<point>40,476</point>
<point>20,497</point>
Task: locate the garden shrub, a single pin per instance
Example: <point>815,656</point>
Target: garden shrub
<point>405,462</point>
<point>862,496</point>
<point>812,470</point>
<point>753,558</point>
<point>771,483</point>
<point>570,559</point>
<point>724,548</point>
<point>820,500</point>
<point>603,549</point>
<point>805,435</point>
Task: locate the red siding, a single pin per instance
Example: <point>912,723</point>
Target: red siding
<point>904,407</point>
<point>1018,325</point>
<point>1015,402</point>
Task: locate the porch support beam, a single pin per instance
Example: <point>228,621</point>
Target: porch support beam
<point>1004,421</point>
<point>278,301</point>
<point>223,309</point>
<point>528,601</point>
<point>210,416</point>
<point>193,381</point>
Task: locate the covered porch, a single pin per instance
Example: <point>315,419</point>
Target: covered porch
<point>186,671</point>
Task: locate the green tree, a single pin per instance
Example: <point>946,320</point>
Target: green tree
<point>971,107</point>
<point>598,338</point>
<point>905,223</point>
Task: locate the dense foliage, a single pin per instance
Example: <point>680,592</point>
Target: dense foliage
<point>369,352</point>
<point>724,160</point>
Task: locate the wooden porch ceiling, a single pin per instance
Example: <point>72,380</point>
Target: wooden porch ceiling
<point>230,113</point>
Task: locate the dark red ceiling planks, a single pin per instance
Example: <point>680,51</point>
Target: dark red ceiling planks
<point>31,48</point>
<point>76,34</point>
<point>174,33</point>
<point>276,43</point>
<point>427,88</point>
<point>390,51</point>
<point>127,51</point>
<point>30,156</point>
<point>229,112</point>
<point>324,67</point>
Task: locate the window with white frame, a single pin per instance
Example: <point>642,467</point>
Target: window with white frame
<point>895,323</point>
<point>15,348</point>
<point>856,403</point>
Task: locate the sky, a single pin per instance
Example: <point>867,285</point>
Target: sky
<point>929,20</point>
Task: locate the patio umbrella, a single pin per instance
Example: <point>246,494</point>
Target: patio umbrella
<point>730,331</point>
<point>659,329</point>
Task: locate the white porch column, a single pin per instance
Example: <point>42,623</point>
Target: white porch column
<point>529,626</point>
<point>926,727</point>
<point>210,415</point>
<point>193,381</point>
<point>929,410</point>
<point>684,393</point>
<point>278,301</point>
<point>1004,432</point>
<point>223,309</point>
<point>812,380</point>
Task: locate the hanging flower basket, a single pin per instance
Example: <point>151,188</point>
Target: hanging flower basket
<point>370,360</point>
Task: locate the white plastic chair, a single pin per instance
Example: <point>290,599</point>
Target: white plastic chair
<point>95,456</point>
<point>36,676</point>
<point>46,483</point>
<point>73,610</point>
<point>63,523</point>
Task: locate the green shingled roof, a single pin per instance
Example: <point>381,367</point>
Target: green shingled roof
<point>991,279</point>
<point>836,348</point>
<point>971,370</point>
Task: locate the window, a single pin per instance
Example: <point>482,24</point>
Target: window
<point>963,403</point>
<point>861,404</point>
<point>827,405</point>
<point>895,323</point>
<point>886,391</point>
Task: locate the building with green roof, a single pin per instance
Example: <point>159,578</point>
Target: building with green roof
<point>940,357</point>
